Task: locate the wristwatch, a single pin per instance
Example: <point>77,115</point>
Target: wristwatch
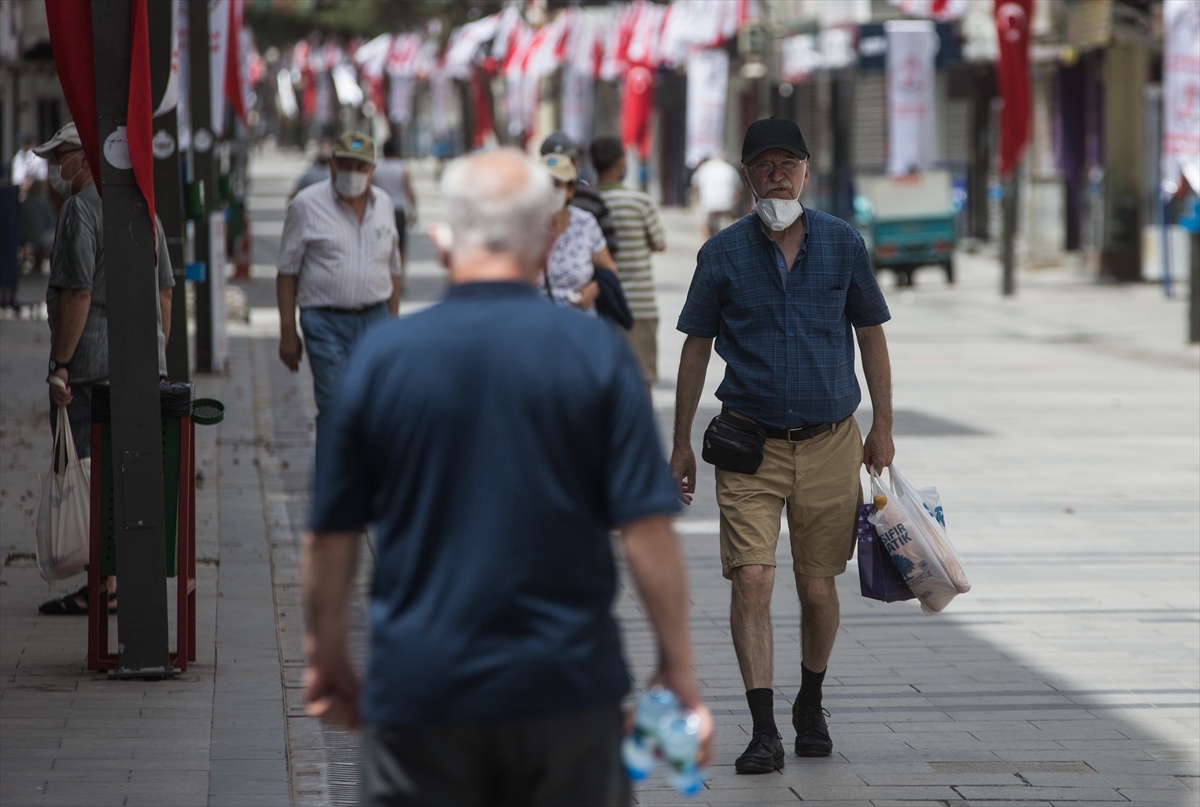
<point>58,365</point>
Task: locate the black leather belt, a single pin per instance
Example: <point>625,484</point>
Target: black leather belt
<point>796,435</point>
<point>363,310</point>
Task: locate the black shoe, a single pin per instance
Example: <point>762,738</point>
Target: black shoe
<point>763,755</point>
<point>812,734</point>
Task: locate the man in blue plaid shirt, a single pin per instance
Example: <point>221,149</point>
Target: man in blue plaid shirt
<point>780,292</point>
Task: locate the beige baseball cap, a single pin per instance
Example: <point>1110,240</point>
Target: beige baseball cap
<point>355,146</point>
<point>560,167</point>
<point>67,134</point>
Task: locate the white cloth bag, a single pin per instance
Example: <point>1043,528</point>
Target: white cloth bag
<point>64,512</point>
<point>913,530</point>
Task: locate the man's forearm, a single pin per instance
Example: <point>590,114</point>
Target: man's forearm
<point>397,292</point>
<point>72,314</point>
<point>327,566</point>
<point>878,370</point>
<point>693,366</point>
<point>656,565</point>
<point>164,310</point>
<point>285,296</point>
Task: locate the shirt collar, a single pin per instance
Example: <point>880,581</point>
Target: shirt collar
<point>491,288</point>
<point>803,241</point>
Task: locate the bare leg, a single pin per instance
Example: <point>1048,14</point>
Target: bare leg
<point>820,616</point>
<point>750,622</point>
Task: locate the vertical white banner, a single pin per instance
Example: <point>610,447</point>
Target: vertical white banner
<point>577,104</point>
<point>911,48</point>
<point>707,82</point>
<point>400,98</point>
<point>218,47</point>
<point>1181,95</point>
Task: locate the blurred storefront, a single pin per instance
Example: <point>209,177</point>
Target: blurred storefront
<point>31,100</point>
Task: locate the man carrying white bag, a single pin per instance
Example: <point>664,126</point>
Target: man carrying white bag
<point>912,529</point>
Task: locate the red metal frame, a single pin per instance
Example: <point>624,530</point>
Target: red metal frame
<point>98,657</point>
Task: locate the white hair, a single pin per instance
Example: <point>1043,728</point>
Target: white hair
<point>502,201</point>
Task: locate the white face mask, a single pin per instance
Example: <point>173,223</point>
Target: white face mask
<point>351,184</point>
<point>779,214</point>
<point>54,174</point>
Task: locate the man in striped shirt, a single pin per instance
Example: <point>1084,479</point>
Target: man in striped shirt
<point>339,262</point>
<point>639,232</point>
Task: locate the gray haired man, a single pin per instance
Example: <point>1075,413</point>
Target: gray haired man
<point>493,440</point>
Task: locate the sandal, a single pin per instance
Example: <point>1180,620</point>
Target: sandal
<point>66,606</point>
<point>69,605</point>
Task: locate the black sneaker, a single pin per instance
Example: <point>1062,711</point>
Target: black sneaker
<point>812,733</point>
<point>763,755</point>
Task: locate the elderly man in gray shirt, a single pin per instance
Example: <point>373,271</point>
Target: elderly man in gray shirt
<point>339,262</point>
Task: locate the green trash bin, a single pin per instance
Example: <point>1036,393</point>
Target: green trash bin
<point>175,399</point>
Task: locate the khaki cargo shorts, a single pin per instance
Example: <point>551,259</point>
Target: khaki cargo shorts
<point>818,479</point>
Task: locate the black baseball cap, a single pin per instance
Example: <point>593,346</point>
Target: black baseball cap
<point>560,143</point>
<point>773,133</point>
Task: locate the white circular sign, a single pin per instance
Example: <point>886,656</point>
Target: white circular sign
<point>163,144</point>
<point>202,141</point>
<point>116,150</point>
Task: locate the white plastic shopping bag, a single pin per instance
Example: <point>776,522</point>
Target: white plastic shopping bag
<point>64,512</point>
<point>913,530</point>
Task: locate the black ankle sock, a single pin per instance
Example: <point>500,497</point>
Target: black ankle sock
<point>810,687</point>
<point>762,709</point>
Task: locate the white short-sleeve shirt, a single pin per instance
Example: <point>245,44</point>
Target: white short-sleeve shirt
<point>339,262</point>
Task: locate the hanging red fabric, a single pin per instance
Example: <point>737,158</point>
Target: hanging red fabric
<point>70,24</point>
<point>140,111</point>
<point>233,62</point>
<point>1012,79</point>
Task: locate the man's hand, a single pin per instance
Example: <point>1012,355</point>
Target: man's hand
<point>683,471</point>
<point>61,396</point>
<point>878,451</point>
<point>290,350</point>
<point>331,690</point>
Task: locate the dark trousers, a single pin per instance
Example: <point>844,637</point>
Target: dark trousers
<point>402,230</point>
<point>564,759</point>
<point>79,413</point>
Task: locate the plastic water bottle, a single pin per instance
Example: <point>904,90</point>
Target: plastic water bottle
<point>640,749</point>
<point>680,742</point>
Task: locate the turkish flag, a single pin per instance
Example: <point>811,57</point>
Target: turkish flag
<point>636,103</point>
<point>1012,79</point>
<point>70,24</point>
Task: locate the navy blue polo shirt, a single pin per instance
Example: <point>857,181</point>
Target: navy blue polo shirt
<point>788,348</point>
<point>493,440</point>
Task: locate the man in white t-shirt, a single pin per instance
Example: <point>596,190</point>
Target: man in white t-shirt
<point>718,187</point>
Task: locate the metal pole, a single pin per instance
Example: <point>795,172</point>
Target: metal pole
<point>132,294</point>
<point>168,190</point>
<point>1009,286</point>
<point>199,83</point>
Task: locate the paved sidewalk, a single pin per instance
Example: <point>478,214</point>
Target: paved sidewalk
<point>1061,428</point>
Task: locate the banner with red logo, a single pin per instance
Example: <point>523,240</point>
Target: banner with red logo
<point>1012,79</point>
<point>1181,95</point>
<point>912,48</point>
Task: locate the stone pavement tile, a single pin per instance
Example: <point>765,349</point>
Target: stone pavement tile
<point>73,799</point>
<point>276,799</point>
<point>166,799</point>
<point>1051,794</point>
<point>177,779</point>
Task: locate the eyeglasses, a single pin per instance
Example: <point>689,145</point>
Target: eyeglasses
<point>766,167</point>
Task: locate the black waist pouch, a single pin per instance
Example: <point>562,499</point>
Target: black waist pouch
<point>734,443</point>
